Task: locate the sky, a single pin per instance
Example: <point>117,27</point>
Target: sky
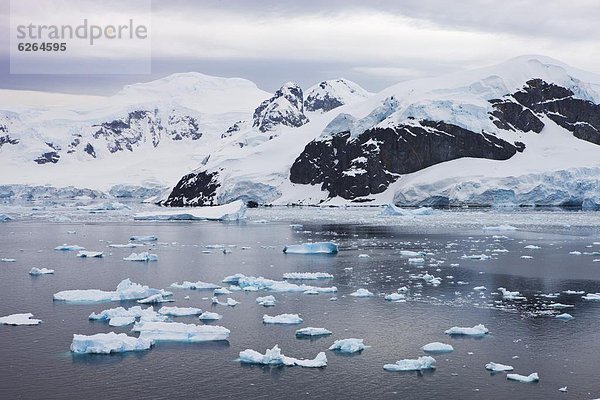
<point>375,43</point>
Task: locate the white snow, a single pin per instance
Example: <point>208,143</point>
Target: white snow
<point>421,363</point>
<point>180,332</point>
<point>351,345</point>
<point>282,319</point>
<point>310,331</point>
<point>179,311</point>
<point>437,347</point>
<point>20,319</point>
<point>275,357</point>
<point>40,271</point>
<point>143,256</point>
<point>106,343</point>
<point>233,211</point>
<point>126,290</point>
<point>361,293</point>
<point>311,248</point>
<point>477,330</point>
<point>495,367</point>
<point>522,378</point>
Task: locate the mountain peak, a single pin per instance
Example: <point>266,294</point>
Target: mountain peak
<point>333,93</point>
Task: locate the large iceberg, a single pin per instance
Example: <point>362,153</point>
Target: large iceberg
<point>275,357</point>
<point>307,275</point>
<point>349,346</point>
<point>106,343</point>
<point>477,330</point>
<point>228,212</point>
<point>180,332</point>
<point>524,379</point>
<point>282,319</point>
<point>126,290</point>
<point>421,363</point>
<point>20,319</point>
<point>310,332</point>
<point>311,248</point>
<point>143,257</point>
<point>40,271</point>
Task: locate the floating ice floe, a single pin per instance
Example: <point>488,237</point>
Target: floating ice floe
<point>230,302</point>
<point>251,283</point>
<point>575,253</point>
<point>194,285</point>
<point>179,311</point>
<point>364,256</point>
<point>351,345</point>
<point>495,367</point>
<point>307,275</point>
<point>155,299</point>
<point>20,319</point>
<point>522,378</point>
<point>209,316</point>
<point>361,293</point>
<point>392,210</point>
<point>421,363</point>
<point>90,254</point>
<point>416,260</point>
<point>475,257</point>
<point>120,316</point>
<point>5,218</point>
<point>532,247</point>
<point>221,290</point>
<point>591,296</point>
<point>395,297</point>
<point>180,332</point>
<point>480,288</point>
<point>564,317</point>
<point>410,253</point>
<point>282,319</point>
<point>311,248</point>
<point>437,347</point>
<point>275,357</point>
<point>114,206</point>
<point>144,238</point>
<point>40,271</point>
<point>500,228</point>
<point>559,306</point>
<point>477,330</point>
<point>508,295</point>
<point>8,260</point>
<point>310,332</point>
<point>69,247</point>
<point>266,301</point>
<point>573,292</point>
<point>233,211</point>
<point>106,343</point>
<point>126,290</point>
<point>125,246</point>
<point>428,278</point>
<point>143,257</point>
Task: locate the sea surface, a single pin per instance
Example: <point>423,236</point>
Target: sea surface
<point>37,362</point>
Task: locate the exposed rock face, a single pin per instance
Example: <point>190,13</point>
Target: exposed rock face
<point>331,94</point>
<point>352,168</point>
<point>6,139</point>
<point>195,189</point>
<point>284,108</point>
<point>49,157</point>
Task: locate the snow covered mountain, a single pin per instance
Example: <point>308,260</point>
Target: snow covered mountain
<point>525,132</point>
<point>331,94</point>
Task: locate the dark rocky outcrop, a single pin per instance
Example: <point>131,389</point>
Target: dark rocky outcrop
<point>195,189</point>
<point>284,108</point>
<point>49,157</point>
<point>6,139</point>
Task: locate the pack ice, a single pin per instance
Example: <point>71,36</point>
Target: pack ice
<point>106,343</point>
<point>421,363</point>
<point>180,332</point>
<point>126,290</point>
<point>275,357</point>
<point>311,248</point>
<point>233,211</point>
<point>20,319</point>
<point>349,346</point>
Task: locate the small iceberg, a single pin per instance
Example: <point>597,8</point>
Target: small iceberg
<point>508,295</point>
<point>282,319</point>
<point>307,275</point>
<point>144,238</point>
<point>20,319</point>
<point>233,211</point>
<point>106,343</point>
<point>126,290</point>
<point>8,260</point>
<point>69,247</point>
<point>591,296</point>
<point>5,218</point>
<point>477,330</point>
<point>251,283</point>
<point>143,257</point>
<point>221,290</point>
<point>179,311</point>
<point>40,271</point>
<point>275,357</point>
<point>392,210</point>
<point>421,363</point>
<point>90,254</point>
<point>437,347</point>
<point>311,332</point>
<point>194,285</point>
<point>495,367</point>
<point>180,332</point>
<point>396,297</point>
<point>312,248</point>
<point>120,316</point>
<point>524,379</point>
<point>361,293</point>
<point>266,301</point>
<point>209,316</point>
<point>230,302</point>
<point>348,346</point>
<point>565,317</point>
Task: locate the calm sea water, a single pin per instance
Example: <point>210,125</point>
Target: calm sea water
<point>37,363</point>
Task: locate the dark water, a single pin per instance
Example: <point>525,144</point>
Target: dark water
<point>37,364</point>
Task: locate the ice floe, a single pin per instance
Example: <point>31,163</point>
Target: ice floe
<point>5,218</point>
<point>496,367</point>
<point>395,297</point>
<point>210,316</point>
<point>126,290</point>
<point>179,311</point>
<point>69,247</point>
<point>311,248</point>
<point>180,332</point>
<point>392,210</point>
<point>266,301</point>
<point>310,332</point>
<point>282,319</point>
<point>437,347</point>
<point>508,295</point>
<point>591,296</point>
<point>20,319</point>
<point>155,299</point>
<point>233,211</point>
<point>194,285</point>
<point>351,345</point>
<point>144,238</point>
<point>143,257</point>
<point>307,275</point>
<point>564,317</point>
<point>40,271</point>
<point>8,260</point>
<point>534,377</point>
<point>106,343</point>
<point>477,330</point>
<point>251,283</point>
<point>275,357</point>
<point>361,293</point>
<point>421,363</point>
<point>90,254</point>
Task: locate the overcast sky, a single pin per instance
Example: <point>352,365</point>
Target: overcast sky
<point>375,43</point>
